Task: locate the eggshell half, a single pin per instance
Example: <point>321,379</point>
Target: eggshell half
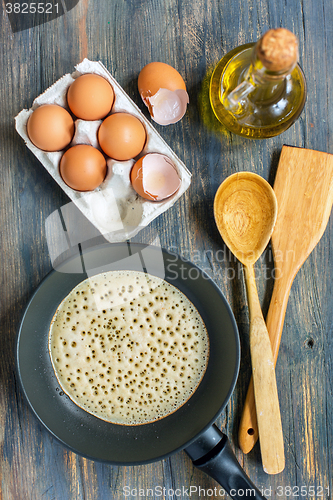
<point>163,91</point>
<point>159,75</point>
<point>154,177</point>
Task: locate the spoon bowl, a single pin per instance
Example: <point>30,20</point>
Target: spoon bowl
<point>245,210</point>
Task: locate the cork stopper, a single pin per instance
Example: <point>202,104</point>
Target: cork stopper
<point>278,49</point>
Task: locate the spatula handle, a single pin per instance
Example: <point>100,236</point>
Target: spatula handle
<point>264,381</point>
<point>248,430</point>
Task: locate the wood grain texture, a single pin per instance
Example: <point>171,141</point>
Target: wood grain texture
<point>264,383</point>
<point>304,189</point>
<point>245,211</point>
<point>191,36</point>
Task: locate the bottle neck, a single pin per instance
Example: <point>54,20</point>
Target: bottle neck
<point>259,74</point>
<point>258,84</point>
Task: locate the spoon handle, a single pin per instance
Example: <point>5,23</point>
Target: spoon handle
<point>265,388</point>
<point>248,428</point>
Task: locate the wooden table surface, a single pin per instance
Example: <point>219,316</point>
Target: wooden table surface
<point>191,36</point>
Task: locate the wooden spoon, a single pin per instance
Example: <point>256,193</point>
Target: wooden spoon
<point>304,190</point>
<point>245,210</point>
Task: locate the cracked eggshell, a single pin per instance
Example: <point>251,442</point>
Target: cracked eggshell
<point>154,177</point>
<point>163,91</point>
<point>114,207</point>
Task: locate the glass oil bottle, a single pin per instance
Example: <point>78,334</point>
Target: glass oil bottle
<point>258,90</point>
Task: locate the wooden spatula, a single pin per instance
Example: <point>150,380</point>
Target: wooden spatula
<point>304,192</point>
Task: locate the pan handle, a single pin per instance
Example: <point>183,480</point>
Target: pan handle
<point>212,453</point>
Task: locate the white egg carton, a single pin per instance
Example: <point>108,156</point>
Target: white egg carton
<point>114,208</point>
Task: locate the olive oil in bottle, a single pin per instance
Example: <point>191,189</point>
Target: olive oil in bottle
<point>258,90</point>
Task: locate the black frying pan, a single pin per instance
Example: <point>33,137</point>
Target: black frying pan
<point>191,426</point>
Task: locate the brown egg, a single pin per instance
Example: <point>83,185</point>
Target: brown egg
<point>50,127</point>
<point>122,136</point>
<point>83,167</point>
<point>154,177</point>
<point>163,91</point>
<point>90,97</point>
<point>158,75</point>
